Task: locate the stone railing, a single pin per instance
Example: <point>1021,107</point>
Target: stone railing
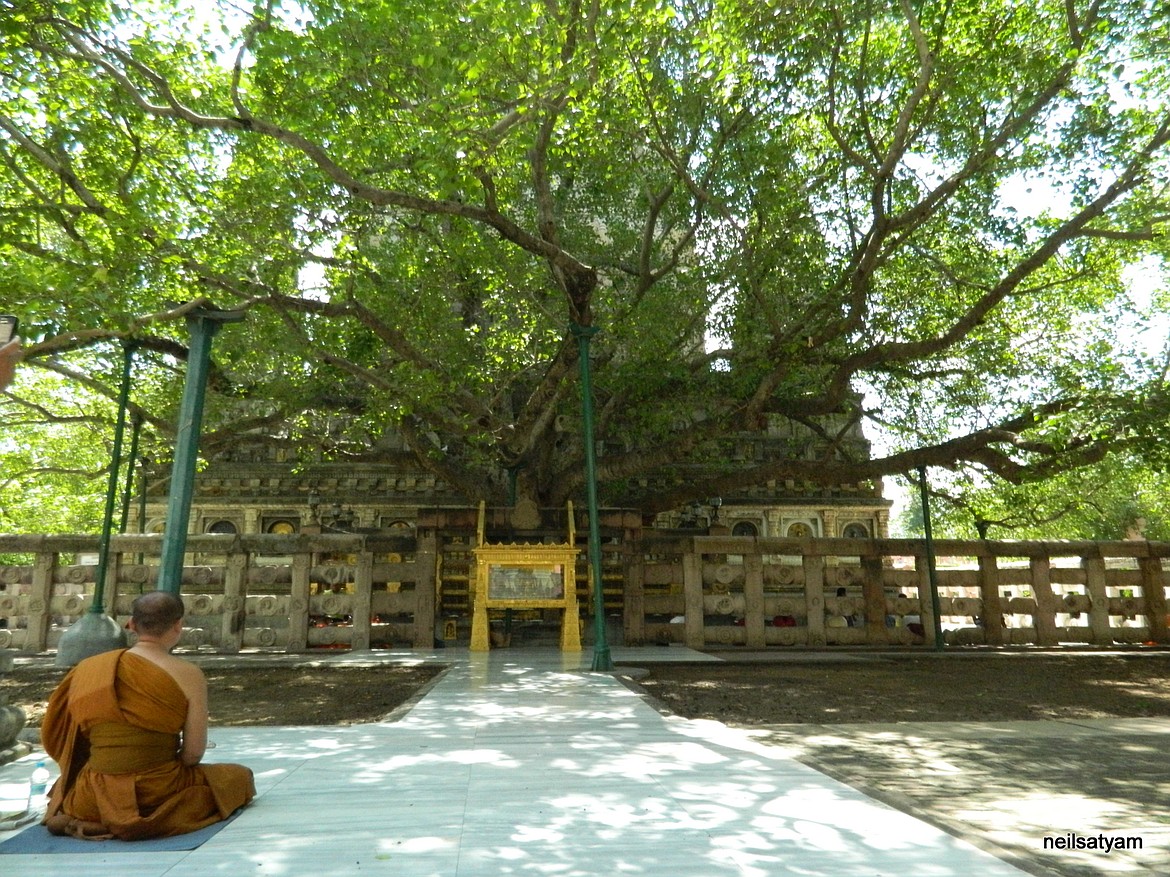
<point>295,593</point>
<point>289,593</point>
<point>720,591</point>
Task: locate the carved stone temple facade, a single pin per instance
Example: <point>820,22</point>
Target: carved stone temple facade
<point>256,489</point>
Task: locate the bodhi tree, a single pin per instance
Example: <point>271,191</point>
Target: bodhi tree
<point>1121,497</point>
<point>781,219</point>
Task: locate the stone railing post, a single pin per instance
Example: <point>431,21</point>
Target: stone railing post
<point>634,599</point>
<point>426,589</point>
<point>363,586</point>
<point>1045,618</point>
<point>235,590</point>
<point>814,597</point>
<point>298,602</point>
<point>993,632</point>
<point>873,595</point>
<point>40,600</point>
<point>753,598</point>
<point>115,564</point>
<point>693,597</point>
<point>1100,631</point>
<point>1154,597</point>
<point>925,600</point>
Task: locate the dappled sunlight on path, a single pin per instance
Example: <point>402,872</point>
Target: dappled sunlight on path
<point>520,764</point>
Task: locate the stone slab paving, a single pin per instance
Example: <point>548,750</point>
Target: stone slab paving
<point>521,762</point>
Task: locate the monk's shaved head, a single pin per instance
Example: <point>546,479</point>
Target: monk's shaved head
<point>156,612</point>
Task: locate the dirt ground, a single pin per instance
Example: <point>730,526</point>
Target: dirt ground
<point>777,689</point>
<point>263,695</point>
<point>845,689</point>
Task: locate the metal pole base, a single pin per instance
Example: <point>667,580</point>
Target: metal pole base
<point>602,662</point>
<point>92,634</point>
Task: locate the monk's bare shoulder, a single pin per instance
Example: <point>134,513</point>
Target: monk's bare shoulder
<point>188,675</point>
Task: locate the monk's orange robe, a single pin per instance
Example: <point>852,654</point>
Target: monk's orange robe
<point>113,726</point>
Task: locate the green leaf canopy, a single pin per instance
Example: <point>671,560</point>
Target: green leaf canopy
<point>785,219</point>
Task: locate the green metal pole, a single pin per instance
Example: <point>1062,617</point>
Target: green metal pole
<point>930,560</point>
<point>95,632</point>
<point>131,461</point>
<point>142,500</point>
<point>203,324</point>
<point>601,656</point>
<point>97,607</point>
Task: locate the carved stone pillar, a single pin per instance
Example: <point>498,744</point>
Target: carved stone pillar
<point>829,523</point>
<point>772,524</point>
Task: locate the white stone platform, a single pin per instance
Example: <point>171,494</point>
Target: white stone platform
<point>521,762</point>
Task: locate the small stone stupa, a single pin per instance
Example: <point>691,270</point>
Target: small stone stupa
<point>12,719</point>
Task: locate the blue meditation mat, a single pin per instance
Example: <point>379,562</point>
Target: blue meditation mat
<point>36,840</point>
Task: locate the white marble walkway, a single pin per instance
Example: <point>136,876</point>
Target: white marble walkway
<point>524,763</point>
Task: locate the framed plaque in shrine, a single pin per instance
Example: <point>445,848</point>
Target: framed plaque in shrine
<point>535,581</point>
<point>521,577</point>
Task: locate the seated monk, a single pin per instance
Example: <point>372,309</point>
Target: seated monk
<point>128,729</point>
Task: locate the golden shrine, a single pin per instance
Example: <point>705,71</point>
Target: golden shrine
<point>525,577</point>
